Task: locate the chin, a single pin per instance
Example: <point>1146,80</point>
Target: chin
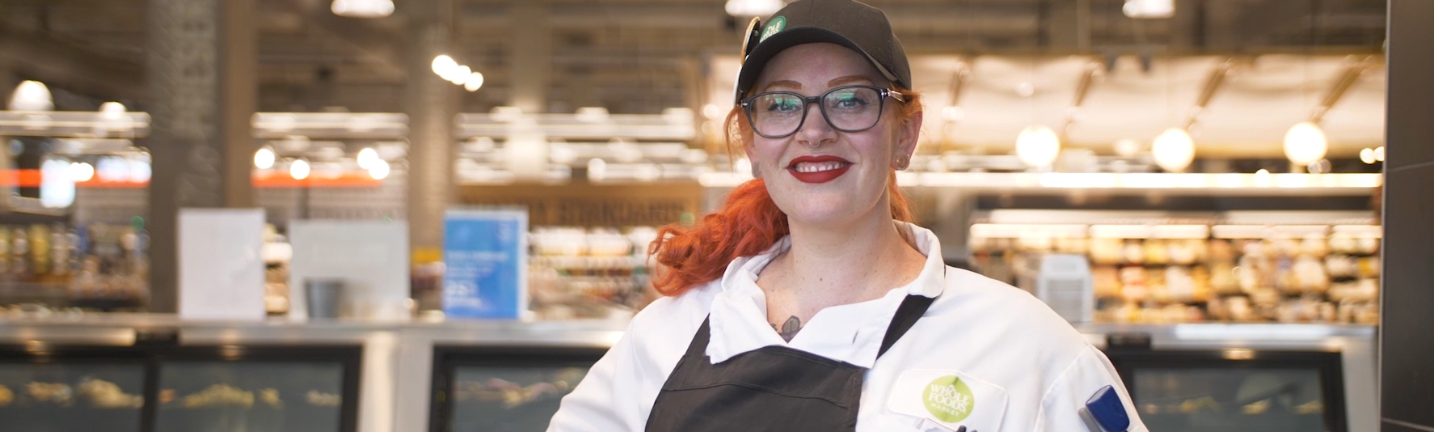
<point>820,211</point>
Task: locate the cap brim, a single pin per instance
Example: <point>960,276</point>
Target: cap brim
<point>757,60</point>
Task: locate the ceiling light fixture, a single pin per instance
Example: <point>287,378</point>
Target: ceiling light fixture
<point>1367,156</point>
<point>1149,9</point>
<point>753,8</point>
<point>264,158</point>
<point>1305,143</point>
<point>367,157</point>
<point>1038,146</point>
<point>31,96</point>
<point>475,81</point>
<point>362,8</point>
<point>299,169</point>
<point>379,170</point>
<point>1174,149</point>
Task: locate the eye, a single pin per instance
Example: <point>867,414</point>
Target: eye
<point>781,104</point>
<point>849,99</point>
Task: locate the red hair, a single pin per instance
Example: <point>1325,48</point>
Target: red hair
<point>748,224</point>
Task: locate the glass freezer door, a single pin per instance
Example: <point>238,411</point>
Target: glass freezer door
<point>1235,391</point>
<point>504,390</point>
<point>74,391</point>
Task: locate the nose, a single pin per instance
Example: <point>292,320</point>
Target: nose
<point>815,131</point>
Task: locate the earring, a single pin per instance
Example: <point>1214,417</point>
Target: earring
<point>902,162</point>
<point>756,173</point>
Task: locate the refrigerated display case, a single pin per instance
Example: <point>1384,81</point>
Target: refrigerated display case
<point>247,388</point>
<point>164,387</point>
<point>496,389</point>
<point>59,390</point>
<point>1235,390</point>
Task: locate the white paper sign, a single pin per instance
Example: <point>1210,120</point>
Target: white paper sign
<point>221,273</point>
<point>370,257</point>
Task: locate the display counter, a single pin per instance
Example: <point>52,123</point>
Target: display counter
<point>416,376</point>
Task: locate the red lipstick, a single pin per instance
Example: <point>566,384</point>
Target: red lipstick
<point>830,167</point>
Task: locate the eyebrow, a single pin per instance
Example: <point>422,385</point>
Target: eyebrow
<point>833,83</point>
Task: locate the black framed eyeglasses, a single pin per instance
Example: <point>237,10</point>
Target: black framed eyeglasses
<point>848,109</point>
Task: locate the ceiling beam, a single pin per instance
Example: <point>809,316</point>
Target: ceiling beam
<point>61,64</point>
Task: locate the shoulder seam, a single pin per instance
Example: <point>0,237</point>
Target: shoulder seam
<point>1041,411</point>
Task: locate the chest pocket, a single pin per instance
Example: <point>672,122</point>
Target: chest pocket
<point>948,399</point>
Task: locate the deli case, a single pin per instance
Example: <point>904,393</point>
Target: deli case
<point>166,387</point>
<point>160,373</point>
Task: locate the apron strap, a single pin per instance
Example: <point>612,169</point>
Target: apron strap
<point>698,347</point>
<point>911,309</point>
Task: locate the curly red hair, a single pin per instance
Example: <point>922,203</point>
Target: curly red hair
<point>748,224</point>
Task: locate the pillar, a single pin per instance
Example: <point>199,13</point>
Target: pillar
<point>201,80</point>
<point>1407,293</point>
<point>431,104</point>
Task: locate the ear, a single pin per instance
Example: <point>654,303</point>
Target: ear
<point>751,157</point>
<point>907,134</point>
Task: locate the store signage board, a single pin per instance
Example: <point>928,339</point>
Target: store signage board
<point>369,257</point>
<point>221,271</point>
<point>486,255</point>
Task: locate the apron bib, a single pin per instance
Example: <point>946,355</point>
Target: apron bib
<point>773,388</point>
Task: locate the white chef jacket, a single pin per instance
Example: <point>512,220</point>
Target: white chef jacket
<point>1020,366</point>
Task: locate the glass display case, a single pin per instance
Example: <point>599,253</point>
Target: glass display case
<point>238,389</point>
<point>158,388</point>
<point>504,389</point>
<point>1235,390</point>
<point>43,390</point>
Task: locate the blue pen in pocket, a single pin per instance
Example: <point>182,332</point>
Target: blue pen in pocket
<point>1104,412</point>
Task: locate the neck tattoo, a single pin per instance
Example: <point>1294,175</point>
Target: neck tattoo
<point>789,329</point>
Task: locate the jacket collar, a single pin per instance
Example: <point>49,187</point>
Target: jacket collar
<point>850,333</point>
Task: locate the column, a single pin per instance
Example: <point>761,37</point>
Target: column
<point>1407,294</point>
<point>431,104</point>
<point>202,92</point>
<point>530,56</point>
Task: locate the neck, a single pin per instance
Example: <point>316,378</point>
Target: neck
<point>828,266</point>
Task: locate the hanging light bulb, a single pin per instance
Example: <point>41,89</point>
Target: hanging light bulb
<point>362,8</point>
<point>81,171</point>
<point>264,158</point>
<point>1037,146</point>
<point>379,170</point>
<point>752,8</point>
<point>1379,154</point>
<point>1367,156</point>
<point>443,65</point>
<point>1305,143</point>
<point>459,75</point>
<point>366,157</point>
<point>475,80</point>
<point>299,170</point>
<point>1149,9</point>
<point>1173,150</point>
<point>31,96</point>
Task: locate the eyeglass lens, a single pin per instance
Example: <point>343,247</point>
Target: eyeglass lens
<point>848,109</point>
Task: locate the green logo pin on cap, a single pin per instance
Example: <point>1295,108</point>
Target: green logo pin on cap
<point>777,24</point>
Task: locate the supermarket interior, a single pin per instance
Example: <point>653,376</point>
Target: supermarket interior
<point>435,215</point>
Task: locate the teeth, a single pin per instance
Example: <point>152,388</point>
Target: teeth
<point>811,167</point>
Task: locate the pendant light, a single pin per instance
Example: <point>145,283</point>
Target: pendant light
<point>1174,149</point>
<point>1038,146</point>
<point>1149,9</point>
<point>1305,143</point>
<point>752,8</point>
<point>362,8</point>
<point>299,169</point>
<point>31,96</point>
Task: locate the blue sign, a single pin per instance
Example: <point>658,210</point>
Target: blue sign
<point>486,255</point>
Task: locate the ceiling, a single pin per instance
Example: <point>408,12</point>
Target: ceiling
<point>640,56</point>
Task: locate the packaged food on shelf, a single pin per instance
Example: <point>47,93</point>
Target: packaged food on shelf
<point>1154,271</point>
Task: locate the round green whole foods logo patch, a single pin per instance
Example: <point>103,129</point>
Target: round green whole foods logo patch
<point>948,399</point>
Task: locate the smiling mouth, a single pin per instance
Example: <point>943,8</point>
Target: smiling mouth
<point>816,167</point>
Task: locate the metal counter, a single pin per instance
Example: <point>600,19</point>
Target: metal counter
<point>398,356</point>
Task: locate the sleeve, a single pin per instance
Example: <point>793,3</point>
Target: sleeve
<point>1091,371</point>
<point>605,400</point>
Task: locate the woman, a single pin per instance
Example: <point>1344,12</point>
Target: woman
<point>808,303</point>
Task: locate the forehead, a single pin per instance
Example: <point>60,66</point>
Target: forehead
<point>813,65</point>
